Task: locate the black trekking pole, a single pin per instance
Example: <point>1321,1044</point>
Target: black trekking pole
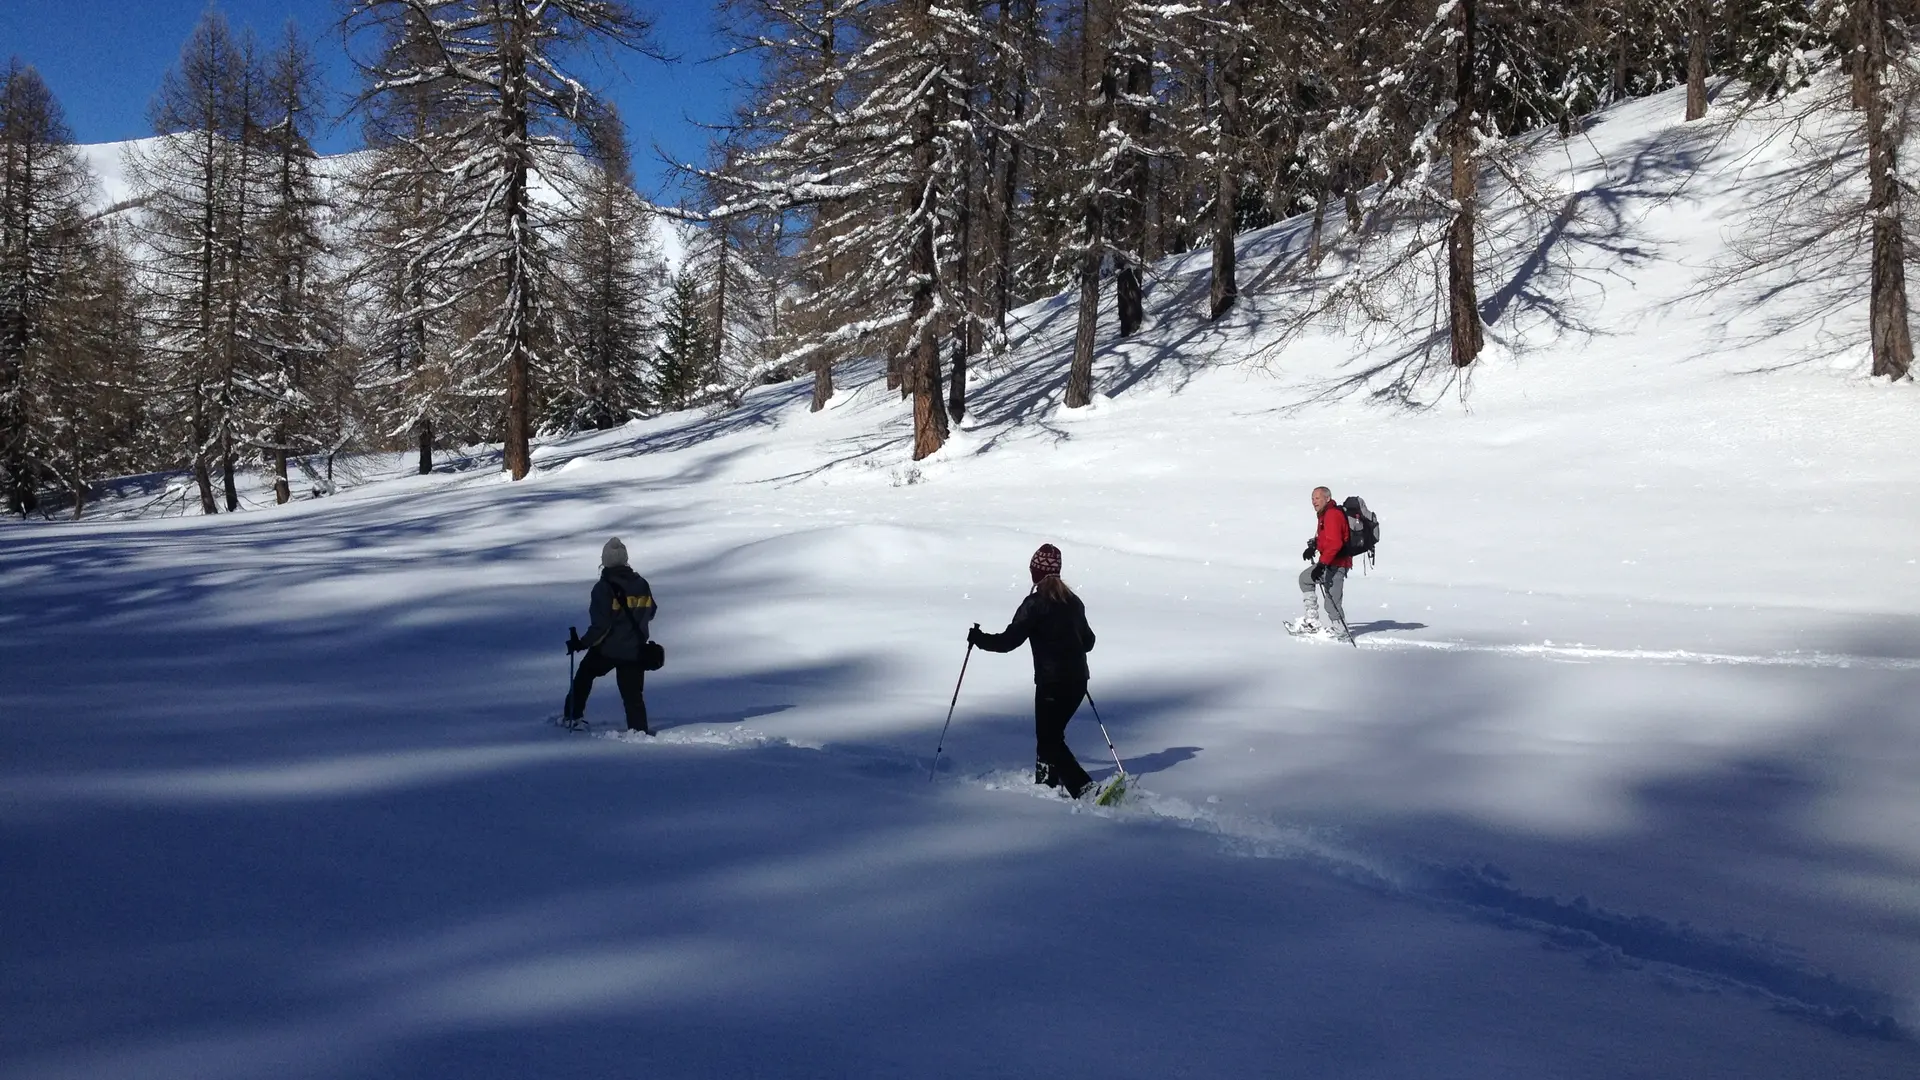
<point>956,700</point>
<point>573,643</point>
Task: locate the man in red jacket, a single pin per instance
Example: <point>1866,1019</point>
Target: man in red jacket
<point>1328,573</point>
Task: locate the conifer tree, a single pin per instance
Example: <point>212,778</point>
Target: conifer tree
<point>613,272</point>
<point>46,251</point>
<point>504,63</point>
<point>199,185</point>
<point>295,330</point>
<point>684,367</point>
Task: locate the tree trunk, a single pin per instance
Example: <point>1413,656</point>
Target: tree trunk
<point>929,418</point>
<point>282,491</point>
<point>203,479</point>
<point>1617,88</point>
<point>1892,342</point>
<point>426,450</point>
<point>1696,59</point>
<point>1226,189</point>
<point>1463,301</point>
<point>226,475</point>
<point>240,226</point>
<point>517,454</point>
<point>963,330</point>
<point>202,433</point>
<point>1009,191</point>
<point>1317,233</point>
<point>923,363</point>
<point>1080,375</point>
<point>721,273</point>
<point>822,382</point>
<point>1856,40</point>
<point>957,382</point>
<point>1128,272</point>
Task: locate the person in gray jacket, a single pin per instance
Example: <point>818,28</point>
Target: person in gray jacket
<point>622,609</point>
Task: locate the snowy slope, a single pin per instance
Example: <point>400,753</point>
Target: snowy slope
<point>1622,779</point>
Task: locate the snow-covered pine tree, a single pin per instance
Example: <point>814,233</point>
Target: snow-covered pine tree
<point>874,159</point>
<point>736,264</point>
<point>614,276</point>
<point>44,242</point>
<point>1631,47</point>
<point>520,112</point>
<point>1435,89</point>
<point>94,395</point>
<point>294,328</point>
<point>1114,48</point>
<point>1009,114</point>
<point>1242,77</point>
<point>683,370</point>
<point>406,208</point>
<point>799,86</point>
<point>1229,42</point>
<point>1777,45</point>
<point>199,184</point>
<point>1836,220</point>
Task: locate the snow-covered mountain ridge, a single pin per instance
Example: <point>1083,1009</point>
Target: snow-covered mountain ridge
<point>108,163</point>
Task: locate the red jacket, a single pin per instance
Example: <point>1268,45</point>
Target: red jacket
<point>1333,536</point>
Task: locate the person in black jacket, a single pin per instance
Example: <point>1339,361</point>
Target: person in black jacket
<point>622,609</point>
<point>1054,621</point>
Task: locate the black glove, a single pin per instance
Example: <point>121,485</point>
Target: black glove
<point>975,637</point>
<point>1319,572</point>
<point>1311,550</point>
<point>574,644</point>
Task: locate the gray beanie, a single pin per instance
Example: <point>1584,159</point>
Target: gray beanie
<point>614,554</point>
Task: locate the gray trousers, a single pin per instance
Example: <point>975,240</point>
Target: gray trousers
<point>1334,585</point>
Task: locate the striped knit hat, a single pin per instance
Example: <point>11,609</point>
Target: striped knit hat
<point>1045,562</point>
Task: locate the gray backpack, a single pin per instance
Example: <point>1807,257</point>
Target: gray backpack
<point>1363,529</point>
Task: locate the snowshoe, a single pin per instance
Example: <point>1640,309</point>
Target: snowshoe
<point>1109,792</point>
<point>1311,631</point>
<point>571,723</point>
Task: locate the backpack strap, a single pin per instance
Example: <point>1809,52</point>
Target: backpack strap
<point>620,598</point>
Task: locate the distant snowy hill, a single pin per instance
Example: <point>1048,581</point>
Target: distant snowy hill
<point>108,161</point>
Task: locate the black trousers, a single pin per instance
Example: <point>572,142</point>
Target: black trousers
<point>1054,765</point>
<point>632,679</point>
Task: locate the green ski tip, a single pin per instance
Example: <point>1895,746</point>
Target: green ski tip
<point>1115,790</point>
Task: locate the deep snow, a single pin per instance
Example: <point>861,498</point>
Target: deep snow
<point>1622,780</point>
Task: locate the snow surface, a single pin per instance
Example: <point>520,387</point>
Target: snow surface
<point>1621,780</point>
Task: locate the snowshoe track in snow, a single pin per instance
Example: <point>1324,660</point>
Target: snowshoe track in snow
<point>1585,653</point>
<point>1674,953</point>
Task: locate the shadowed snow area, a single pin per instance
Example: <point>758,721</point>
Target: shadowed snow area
<point>1622,778</point>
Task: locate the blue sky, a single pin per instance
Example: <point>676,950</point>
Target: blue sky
<point>104,59</point>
